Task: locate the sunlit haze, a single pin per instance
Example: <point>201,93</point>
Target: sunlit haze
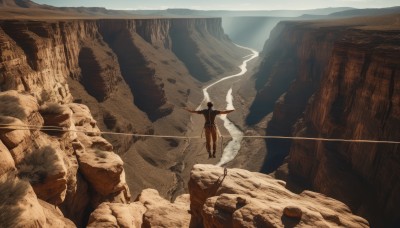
<point>222,4</point>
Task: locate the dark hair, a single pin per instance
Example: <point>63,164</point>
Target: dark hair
<point>209,104</point>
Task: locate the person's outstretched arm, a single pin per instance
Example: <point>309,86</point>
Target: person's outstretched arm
<point>192,111</point>
<point>226,111</point>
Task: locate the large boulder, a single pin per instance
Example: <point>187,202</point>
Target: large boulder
<point>162,213</point>
<point>83,120</point>
<point>19,120</point>
<point>117,215</point>
<point>6,162</point>
<point>149,210</point>
<point>15,136</point>
<point>103,170</point>
<point>98,164</point>
<point>13,131</point>
<point>238,198</point>
<point>47,173</point>
<point>19,105</point>
<point>19,206</point>
<point>58,119</point>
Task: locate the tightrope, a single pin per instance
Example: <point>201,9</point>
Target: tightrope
<point>62,129</point>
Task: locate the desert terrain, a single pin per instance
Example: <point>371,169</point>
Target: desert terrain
<point>94,131</point>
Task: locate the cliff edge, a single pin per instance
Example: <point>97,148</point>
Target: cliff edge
<point>335,79</point>
<point>229,198</point>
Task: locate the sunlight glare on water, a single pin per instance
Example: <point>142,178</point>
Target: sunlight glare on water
<point>233,147</point>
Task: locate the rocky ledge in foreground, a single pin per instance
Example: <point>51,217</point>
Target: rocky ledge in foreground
<point>235,198</point>
<point>239,198</point>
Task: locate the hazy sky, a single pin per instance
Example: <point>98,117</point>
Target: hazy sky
<point>223,4</point>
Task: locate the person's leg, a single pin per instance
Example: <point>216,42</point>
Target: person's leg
<point>214,138</point>
<point>208,140</point>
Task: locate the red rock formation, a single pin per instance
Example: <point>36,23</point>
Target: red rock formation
<point>191,39</point>
<point>149,210</point>
<point>44,64</point>
<point>239,198</point>
<point>48,170</point>
<point>33,61</point>
<point>155,32</point>
<point>350,75</point>
<point>49,165</point>
<point>148,93</point>
<point>117,215</point>
<point>293,61</point>
<point>357,100</point>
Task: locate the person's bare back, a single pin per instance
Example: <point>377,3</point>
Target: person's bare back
<point>209,126</point>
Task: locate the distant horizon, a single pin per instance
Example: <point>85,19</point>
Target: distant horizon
<point>224,5</point>
<point>253,9</point>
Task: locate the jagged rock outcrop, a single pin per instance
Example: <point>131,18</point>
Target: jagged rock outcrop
<point>162,213</point>
<point>149,210</point>
<point>80,164</point>
<point>7,163</point>
<point>19,206</point>
<point>336,79</point>
<point>37,166</point>
<point>293,61</point>
<point>47,173</point>
<point>100,70</point>
<point>33,60</point>
<point>239,198</point>
<point>357,100</point>
<point>127,71</point>
<point>136,69</point>
<point>15,110</point>
<point>117,215</point>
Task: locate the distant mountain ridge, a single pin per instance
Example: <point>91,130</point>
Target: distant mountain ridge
<point>18,4</point>
<point>10,8</point>
<point>244,13</point>
<point>366,12</point>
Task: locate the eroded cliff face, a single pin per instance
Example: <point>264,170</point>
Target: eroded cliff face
<point>190,43</point>
<point>293,61</point>
<point>33,60</point>
<point>358,99</point>
<point>46,169</point>
<point>87,75</point>
<point>333,80</point>
<point>228,198</point>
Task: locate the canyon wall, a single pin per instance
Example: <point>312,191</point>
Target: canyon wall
<point>127,74</point>
<point>335,80</point>
<point>293,61</point>
<point>191,41</point>
<point>45,169</point>
<point>358,99</point>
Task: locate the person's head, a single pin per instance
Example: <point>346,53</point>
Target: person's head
<point>209,104</point>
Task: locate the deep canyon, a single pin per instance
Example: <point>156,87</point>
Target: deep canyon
<point>65,81</point>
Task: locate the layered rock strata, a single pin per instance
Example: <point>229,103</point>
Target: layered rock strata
<point>45,66</point>
<point>47,171</point>
<point>293,61</point>
<point>190,43</point>
<point>228,198</point>
<point>38,56</point>
<point>127,71</point>
<point>239,198</point>
<point>356,100</point>
<point>335,79</point>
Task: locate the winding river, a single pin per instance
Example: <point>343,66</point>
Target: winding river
<point>233,147</point>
